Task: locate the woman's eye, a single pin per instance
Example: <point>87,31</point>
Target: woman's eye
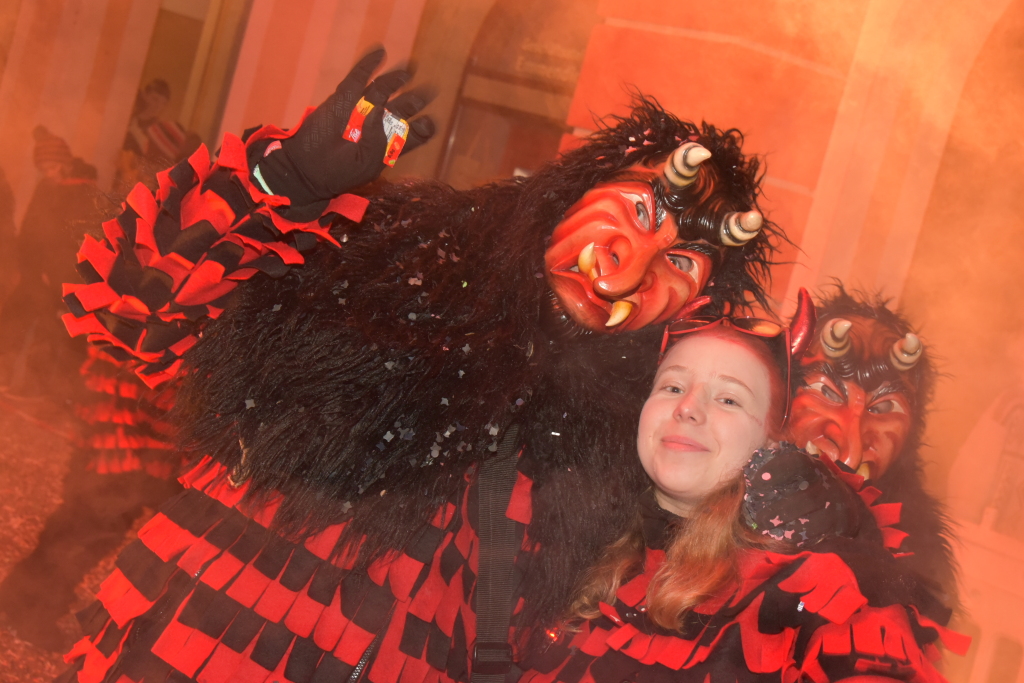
<point>643,216</point>
<point>826,391</point>
<point>683,263</point>
<point>729,401</point>
<point>889,406</point>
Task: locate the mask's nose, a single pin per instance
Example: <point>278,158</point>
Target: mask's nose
<point>621,268</point>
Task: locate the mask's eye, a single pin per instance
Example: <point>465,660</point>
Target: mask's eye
<point>643,216</point>
<point>683,263</point>
<point>890,406</point>
<point>826,391</point>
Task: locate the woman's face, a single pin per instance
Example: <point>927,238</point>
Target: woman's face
<point>706,415</point>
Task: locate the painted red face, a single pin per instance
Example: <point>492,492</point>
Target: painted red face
<point>634,274</point>
<point>864,431</point>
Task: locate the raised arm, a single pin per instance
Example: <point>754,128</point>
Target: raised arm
<point>169,262</point>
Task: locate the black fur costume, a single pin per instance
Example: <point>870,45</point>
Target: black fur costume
<point>434,323</point>
<point>363,386</point>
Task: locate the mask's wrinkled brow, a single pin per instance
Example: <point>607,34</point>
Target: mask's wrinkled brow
<point>657,190</point>
<point>829,371</point>
<point>887,388</point>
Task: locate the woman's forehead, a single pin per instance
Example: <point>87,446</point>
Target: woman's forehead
<point>711,355</point>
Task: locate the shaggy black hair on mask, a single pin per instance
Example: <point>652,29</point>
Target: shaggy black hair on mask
<point>364,384</point>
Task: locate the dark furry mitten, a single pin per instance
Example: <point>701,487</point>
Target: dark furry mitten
<point>794,497</point>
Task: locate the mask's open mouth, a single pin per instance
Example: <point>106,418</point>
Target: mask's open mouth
<point>573,283</point>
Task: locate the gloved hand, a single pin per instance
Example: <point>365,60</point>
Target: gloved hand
<point>317,163</point>
<point>794,497</point>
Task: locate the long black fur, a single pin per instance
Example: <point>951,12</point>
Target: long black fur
<point>374,376</point>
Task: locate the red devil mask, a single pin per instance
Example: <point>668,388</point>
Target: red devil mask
<point>857,398</point>
<point>616,262</point>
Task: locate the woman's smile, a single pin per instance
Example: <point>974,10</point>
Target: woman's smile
<point>678,442</point>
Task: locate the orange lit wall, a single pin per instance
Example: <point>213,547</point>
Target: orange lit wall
<point>295,53</point>
<point>849,102</point>
<point>73,66</point>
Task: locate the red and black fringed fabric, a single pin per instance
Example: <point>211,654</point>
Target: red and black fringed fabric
<point>793,618</point>
<point>210,593</point>
<point>124,423</point>
<point>168,262</point>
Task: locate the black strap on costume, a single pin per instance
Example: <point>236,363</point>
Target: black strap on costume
<point>492,655</point>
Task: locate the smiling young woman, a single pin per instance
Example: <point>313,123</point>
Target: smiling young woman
<point>718,396</point>
<point>700,587</point>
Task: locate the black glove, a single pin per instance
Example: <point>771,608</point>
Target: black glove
<point>317,163</point>
<point>797,498</point>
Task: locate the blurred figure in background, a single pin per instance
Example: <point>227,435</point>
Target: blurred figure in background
<point>8,264</point>
<point>153,142</point>
<point>36,356</point>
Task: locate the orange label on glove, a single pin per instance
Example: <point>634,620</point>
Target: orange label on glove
<point>354,129</point>
<point>395,127</point>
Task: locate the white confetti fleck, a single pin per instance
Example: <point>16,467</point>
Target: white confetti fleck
<point>556,434</point>
<point>493,448</point>
<point>412,316</point>
<point>465,284</point>
<point>341,301</point>
<point>249,403</point>
<point>493,431</point>
<point>520,401</point>
<point>390,364</point>
<point>344,238</point>
<point>345,507</point>
<point>462,373</point>
<point>277,307</point>
<point>389,436</point>
<point>415,281</point>
<point>344,285</point>
<point>444,402</point>
<point>465,349</point>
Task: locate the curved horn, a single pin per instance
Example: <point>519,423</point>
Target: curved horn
<point>905,352</point>
<point>835,337</point>
<point>739,228</point>
<point>682,165</point>
<point>801,328</point>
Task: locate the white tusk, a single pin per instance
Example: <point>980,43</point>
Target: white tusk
<point>682,165</point>
<point>620,311</point>
<point>864,470</point>
<point>587,259</point>
<point>812,449</point>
